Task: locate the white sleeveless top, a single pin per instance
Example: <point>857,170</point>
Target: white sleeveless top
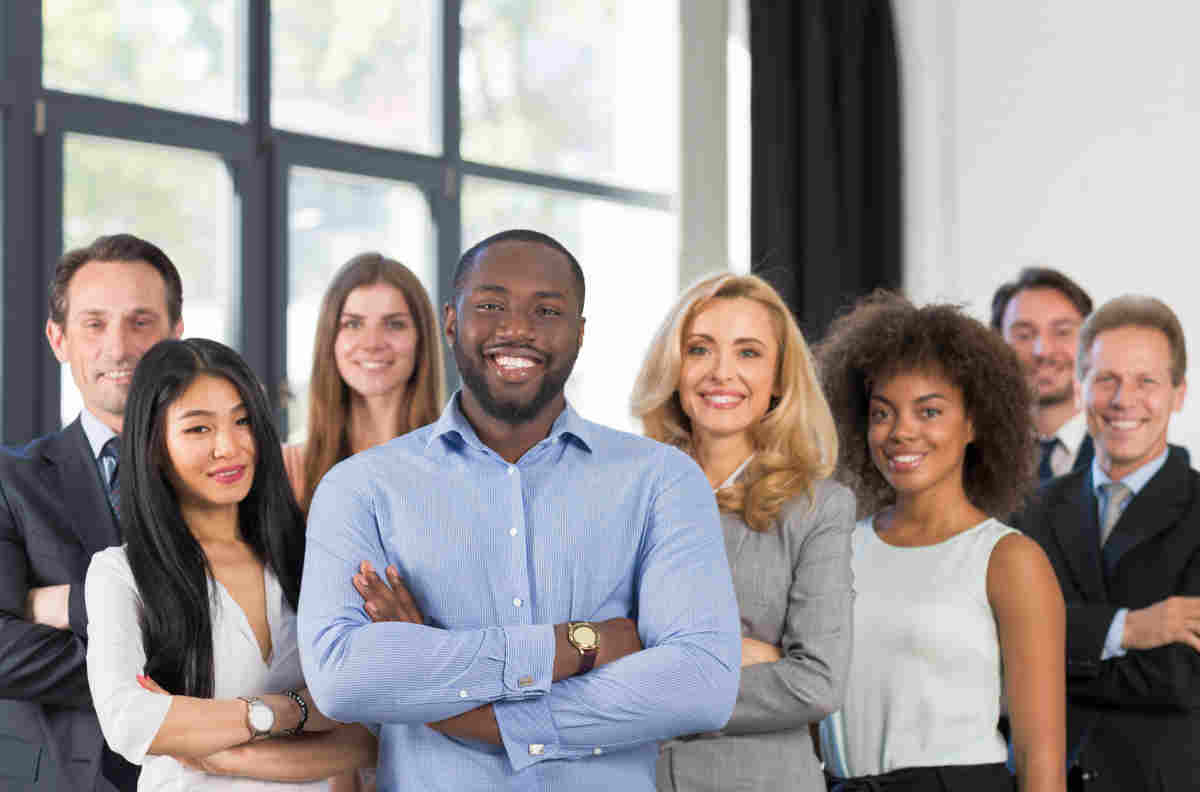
<point>924,687</point>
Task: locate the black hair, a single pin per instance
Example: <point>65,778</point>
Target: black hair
<point>118,247</point>
<point>1039,278</point>
<point>468,260</point>
<point>169,566</point>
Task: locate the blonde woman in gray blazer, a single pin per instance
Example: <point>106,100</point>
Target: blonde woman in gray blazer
<point>730,380</point>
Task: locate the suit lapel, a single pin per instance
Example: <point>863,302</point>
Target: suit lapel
<point>70,470</point>
<point>1159,505</point>
<point>1077,529</point>
<point>1086,451</point>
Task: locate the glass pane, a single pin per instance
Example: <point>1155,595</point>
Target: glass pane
<point>179,199</point>
<point>632,278</point>
<point>366,75</point>
<point>187,55</point>
<point>552,86</point>
<point>333,217</point>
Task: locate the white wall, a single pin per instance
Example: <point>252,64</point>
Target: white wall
<point>1055,132</point>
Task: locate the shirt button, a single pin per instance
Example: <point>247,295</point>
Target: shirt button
<point>597,751</point>
<point>536,749</point>
<point>462,694</point>
<point>512,471</point>
<point>516,602</point>
<point>512,531</point>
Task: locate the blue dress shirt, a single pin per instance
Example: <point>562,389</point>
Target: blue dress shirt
<point>1135,481</point>
<point>589,524</point>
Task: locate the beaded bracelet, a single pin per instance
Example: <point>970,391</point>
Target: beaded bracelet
<point>296,697</point>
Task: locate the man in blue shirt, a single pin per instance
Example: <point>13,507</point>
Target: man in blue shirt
<point>544,552</point>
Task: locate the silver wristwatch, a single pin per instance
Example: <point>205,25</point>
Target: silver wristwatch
<point>260,718</point>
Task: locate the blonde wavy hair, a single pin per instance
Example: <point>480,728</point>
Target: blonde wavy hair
<point>796,441</point>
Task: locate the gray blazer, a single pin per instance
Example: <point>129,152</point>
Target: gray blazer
<point>794,589</point>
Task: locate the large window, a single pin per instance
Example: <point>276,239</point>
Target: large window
<point>262,143</point>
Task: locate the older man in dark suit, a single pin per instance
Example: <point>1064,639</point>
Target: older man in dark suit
<point>109,303</point>
<point>1124,538</point>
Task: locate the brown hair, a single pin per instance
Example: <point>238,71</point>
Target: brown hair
<point>795,443</point>
<point>1133,310</point>
<point>118,247</point>
<point>885,335</point>
<point>1038,278</point>
<point>327,442</point>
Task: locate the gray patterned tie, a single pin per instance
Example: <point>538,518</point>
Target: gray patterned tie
<point>1117,496</point>
<point>109,461</point>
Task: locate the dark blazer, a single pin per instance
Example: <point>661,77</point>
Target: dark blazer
<point>1133,722</point>
<point>1083,457</point>
<point>53,516</point>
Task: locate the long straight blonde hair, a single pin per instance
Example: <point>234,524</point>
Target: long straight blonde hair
<point>795,442</point>
<point>328,441</point>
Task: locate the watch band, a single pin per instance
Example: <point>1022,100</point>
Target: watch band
<point>588,650</point>
<point>303,705</point>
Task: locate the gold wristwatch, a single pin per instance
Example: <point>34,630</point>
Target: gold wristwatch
<point>586,638</point>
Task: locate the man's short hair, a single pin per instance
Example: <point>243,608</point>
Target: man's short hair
<point>117,247</point>
<point>1038,278</point>
<point>467,262</point>
<point>1133,310</point>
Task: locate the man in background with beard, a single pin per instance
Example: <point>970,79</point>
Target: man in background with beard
<point>563,600</point>
<point>1039,314</point>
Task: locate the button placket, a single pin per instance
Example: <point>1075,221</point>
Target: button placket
<point>519,570</point>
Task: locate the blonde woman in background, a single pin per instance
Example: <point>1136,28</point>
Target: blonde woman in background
<point>377,368</point>
<point>377,374</point>
<point>729,380</point>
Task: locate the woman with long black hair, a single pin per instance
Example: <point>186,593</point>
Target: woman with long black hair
<point>192,656</point>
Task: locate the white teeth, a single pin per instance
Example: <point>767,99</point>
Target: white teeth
<point>1123,426</point>
<point>906,459</point>
<point>724,399</point>
<point>372,366</point>
<point>121,374</point>
<point>506,361</point>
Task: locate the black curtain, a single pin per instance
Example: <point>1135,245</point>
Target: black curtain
<point>825,152</point>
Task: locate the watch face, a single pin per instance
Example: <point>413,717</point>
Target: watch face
<point>584,636</point>
<point>262,717</point>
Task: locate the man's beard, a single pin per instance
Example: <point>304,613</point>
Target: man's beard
<point>1056,397</point>
<point>510,412</point>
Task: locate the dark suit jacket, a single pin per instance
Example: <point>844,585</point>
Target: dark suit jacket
<point>1133,722</point>
<point>1083,458</point>
<point>53,517</point>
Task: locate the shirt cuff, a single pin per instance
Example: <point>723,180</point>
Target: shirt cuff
<point>528,660</point>
<point>1116,631</point>
<point>528,732</point>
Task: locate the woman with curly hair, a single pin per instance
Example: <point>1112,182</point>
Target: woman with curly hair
<point>729,380</point>
<point>953,607</point>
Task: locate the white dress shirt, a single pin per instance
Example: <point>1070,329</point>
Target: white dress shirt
<point>1070,437</point>
<point>130,716</point>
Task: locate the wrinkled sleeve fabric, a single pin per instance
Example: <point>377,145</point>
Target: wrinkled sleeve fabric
<point>807,683</point>
<point>685,680</point>
<point>37,662</point>
<point>391,672</point>
<point>130,716</point>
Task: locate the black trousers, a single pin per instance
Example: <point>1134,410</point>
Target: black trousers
<point>948,778</point>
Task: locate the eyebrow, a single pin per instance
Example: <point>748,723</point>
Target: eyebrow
<point>205,413</point>
<point>918,400</point>
<point>392,315</point>
<point>539,295</point>
<point>747,340</point>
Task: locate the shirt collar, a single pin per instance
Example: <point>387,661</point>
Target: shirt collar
<point>734,475</point>
<point>568,424</point>
<point>1135,480</point>
<point>98,433</point>
<point>1071,433</point>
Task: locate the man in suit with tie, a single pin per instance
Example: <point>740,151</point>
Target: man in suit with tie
<point>109,303</point>
<point>1039,315</point>
<point>1124,538</point>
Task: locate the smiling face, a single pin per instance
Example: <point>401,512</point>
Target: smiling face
<point>730,359</point>
<point>918,432</point>
<point>1042,327</point>
<point>116,310</point>
<point>515,329</point>
<point>1129,398</point>
<point>210,445</point>
<point>377,338</point>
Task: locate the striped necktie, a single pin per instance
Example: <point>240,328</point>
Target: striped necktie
<point>1117,495</point>
<point>109,462</point>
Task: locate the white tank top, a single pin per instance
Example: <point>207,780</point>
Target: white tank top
<point>924,687</point>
